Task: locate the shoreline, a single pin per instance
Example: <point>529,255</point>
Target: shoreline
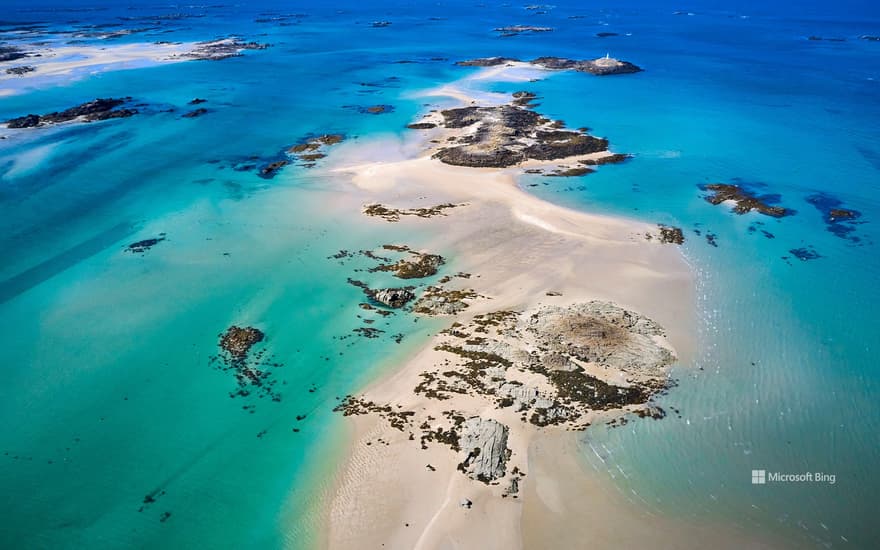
<point>524,253</point>
<point>48,65</point>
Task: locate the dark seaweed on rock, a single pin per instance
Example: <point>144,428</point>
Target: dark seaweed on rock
<point>507,135</point>
<point>602,66</point>
<point>252,371</point>
<point>11,53</point>
<point>744,199</point>
<point>21,70</point>
<point>140,247</point>
<point>98,109</point>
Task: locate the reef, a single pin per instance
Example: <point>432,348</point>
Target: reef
<point>393,214</point>
<point>744,200</point>
<point>421,126</point>
<point>99,109</point>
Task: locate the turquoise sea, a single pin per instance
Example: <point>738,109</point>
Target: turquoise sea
<point>119,429</point>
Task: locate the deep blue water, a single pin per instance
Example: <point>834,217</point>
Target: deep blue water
<point>109,390</point>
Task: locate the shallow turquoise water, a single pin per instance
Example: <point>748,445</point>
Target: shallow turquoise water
<point>110,393</point>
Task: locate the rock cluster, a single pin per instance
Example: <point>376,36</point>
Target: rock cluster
<point>513,30</point>
<point>11,53</point>
<point>252,371</point>
<point>745,201</point>
<point>142,246</point>
<point>671,235</point>
<point>392,297</point>
<point>423,265</point>
<point>550,366</point>
<point>237,341</point>
<point>507,135</point>
<point>602,66</point>
<point>224,48</point>
<point>393,214</point>
<point>98,109</point>
<point>21,70</point>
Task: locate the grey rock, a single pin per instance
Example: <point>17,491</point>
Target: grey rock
<point>393,297</point>
<point>484,445</point>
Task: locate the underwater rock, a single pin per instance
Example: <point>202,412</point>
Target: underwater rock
<point>195,113</point>
<point>838,220</point>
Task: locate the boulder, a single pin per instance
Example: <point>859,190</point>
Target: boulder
<point>483,443</point>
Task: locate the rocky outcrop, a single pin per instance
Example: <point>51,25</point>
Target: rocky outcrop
<point>11,53</point>
<point>437,300</point>
<point>602,66</point>
<point>224,48</point>
<point>21,70</point>
<point>142,246</point>
<point>671,235</point>
<point>513,30</point>
<point>394,214</point>
<point>423,265</point>
<point>99,109</point>
<point>487,62</point>
<point>237,341</point>
<point>744,200</point>
<point>392,297</point>
<point>507,135</point>
<point>483,444</point>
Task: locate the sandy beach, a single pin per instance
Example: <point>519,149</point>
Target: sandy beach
<point>523,253</point>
